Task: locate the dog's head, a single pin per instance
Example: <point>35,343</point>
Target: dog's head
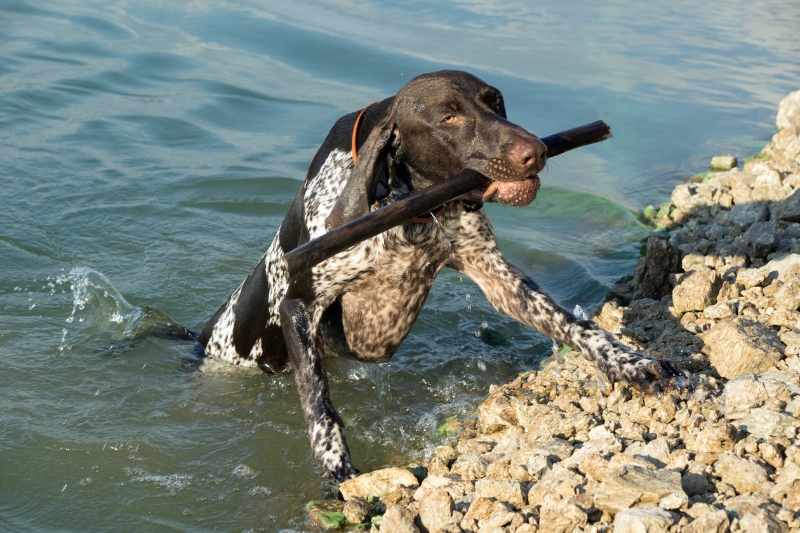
<point>440,125</point>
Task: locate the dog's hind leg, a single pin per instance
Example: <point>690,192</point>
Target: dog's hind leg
<point>306,355</point>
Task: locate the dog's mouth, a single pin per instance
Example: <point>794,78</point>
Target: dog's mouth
<point>514,193</point>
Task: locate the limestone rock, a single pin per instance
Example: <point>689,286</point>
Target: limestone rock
<point>398,519</point>
<point>696,291</point>
<point>454,485</point>
<point>634,485</point>
<point>559,480</point>
<point>742,345</point>
<point>472,465</point>
<point>789,111</point>
<point>765,423</point>
<point>644,520</point>
<point>712,522</point>
<point>674,501</point>
<point>504,491</point>
<point>715,439</point>
<point>436,509</point>
<point>377,483</point>
<point>743,475</point>
<point>652,272</point>
<point>720,163</point>
<point>783,268</point>
<point>356,509</point>
<point>489,513</point>
<point>559,515</point>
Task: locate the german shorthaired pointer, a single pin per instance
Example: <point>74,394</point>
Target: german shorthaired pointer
<point>363,302</point>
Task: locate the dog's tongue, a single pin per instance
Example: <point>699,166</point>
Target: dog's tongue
<point>513,193</point>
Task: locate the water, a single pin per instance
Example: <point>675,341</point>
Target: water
<point>149,150</point>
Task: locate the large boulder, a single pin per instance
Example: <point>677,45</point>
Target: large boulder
<point>789,111</point>
<point>740,345</point>
<point>697,290</point>
<point>377,483</point>
<point>652,272</point>
<point>634,485</point>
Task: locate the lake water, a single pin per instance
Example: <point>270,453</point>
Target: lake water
<point>149,150</point>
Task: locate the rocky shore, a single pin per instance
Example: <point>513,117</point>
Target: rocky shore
<point>562,450</point>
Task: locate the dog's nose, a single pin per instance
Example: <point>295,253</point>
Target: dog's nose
<point>525,153</point>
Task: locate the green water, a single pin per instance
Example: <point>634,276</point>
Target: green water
<point>148,152</point>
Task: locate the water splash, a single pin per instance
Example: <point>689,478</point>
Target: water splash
<point>101,310</point>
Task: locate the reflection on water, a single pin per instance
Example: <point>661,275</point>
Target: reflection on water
<point>149,152</point>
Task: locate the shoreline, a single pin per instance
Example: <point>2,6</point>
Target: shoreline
<point>562,450</point>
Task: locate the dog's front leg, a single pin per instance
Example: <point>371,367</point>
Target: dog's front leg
<point>512,292</point>
<point>306,354</point>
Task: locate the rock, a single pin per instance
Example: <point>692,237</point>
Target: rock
<point>377,482</point>
<point>751,277</point>
<point>712,522</point>
<point>652,272</point>
<point>496,414</point>
<point>789,208</point>
<point>742,393</point>
<point>559,480</point>
<point>696,291</point>
<point>765,423</point>
<point>489,513</point>
<point>504,491</point>
<point>768,187</point>
<point>559,515</point>
<point>644,520</point>
<point>742,345</point>
<point>744,214</point>
<point>634,485</point>
<point>787,296</point>
<point>762,237</point>
<point>715,439</point>
<point>454,485</point>
<point>328,514</point>
<point>721,163</point>
<point>694,484</point>
<point>398,519</point>
<point>782,269</point>
<point>472,465</point>
<point>718,311</point>
<point>761,522</point>
<point>789,111</point>
<point>436,510</point>
<point>674,501</point>
<point>743,475</point>
<point>356,510</point>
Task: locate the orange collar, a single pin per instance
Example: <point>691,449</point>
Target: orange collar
<point>428,217</point>
<point>355,132</point>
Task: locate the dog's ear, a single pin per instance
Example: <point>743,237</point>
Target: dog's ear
<point>370,180</point>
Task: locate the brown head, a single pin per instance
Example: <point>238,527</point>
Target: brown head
<point>440,125</point>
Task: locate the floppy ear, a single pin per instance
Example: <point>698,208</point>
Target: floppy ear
<point>370,179</point>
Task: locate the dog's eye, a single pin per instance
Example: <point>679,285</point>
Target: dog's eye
<point>449,119</point>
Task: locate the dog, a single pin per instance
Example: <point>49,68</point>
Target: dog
<point>362,302</point>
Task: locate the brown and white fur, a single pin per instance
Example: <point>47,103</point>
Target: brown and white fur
<point>363,302</point>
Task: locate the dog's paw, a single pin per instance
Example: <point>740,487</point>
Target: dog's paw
<point>654,376</point>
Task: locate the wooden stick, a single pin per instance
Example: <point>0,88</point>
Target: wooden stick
<point>339,239</point>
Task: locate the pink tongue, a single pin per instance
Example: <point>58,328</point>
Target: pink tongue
<point>515,193</point>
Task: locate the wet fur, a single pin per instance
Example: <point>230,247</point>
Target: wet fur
<point>363,302</point>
